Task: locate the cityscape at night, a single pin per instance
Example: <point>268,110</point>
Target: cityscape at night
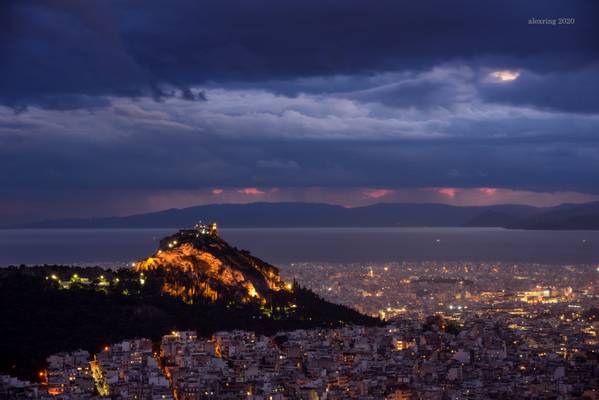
<point>299,200</point>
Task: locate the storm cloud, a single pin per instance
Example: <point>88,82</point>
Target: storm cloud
<point>55,53</point>
<point>137,99</point>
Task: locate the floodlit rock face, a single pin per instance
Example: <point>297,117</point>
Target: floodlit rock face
<point>195,263</point>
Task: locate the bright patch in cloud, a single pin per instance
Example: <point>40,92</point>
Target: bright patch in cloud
<point>504,76</point>
<point>252,191</point>
<point>488,191</point>
<point>449,192</point>
<point>217,191</point>
<point>378,193</point>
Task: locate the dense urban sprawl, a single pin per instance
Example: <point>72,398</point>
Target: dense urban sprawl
<point>455,331</point>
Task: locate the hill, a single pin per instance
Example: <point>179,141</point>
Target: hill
<point>191,282</point>
<point>197,262</point>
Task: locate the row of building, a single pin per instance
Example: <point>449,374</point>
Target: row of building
<point>489,356</point>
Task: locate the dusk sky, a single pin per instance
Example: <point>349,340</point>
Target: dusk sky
<point>120,107</point>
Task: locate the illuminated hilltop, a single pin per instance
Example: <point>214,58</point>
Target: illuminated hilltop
<point>195,280</point>
<point>197,262</point>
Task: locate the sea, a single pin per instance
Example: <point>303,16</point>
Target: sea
<point>115,247</point>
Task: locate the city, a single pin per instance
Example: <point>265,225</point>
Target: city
<point>446,337</point>
<point>418,289</point>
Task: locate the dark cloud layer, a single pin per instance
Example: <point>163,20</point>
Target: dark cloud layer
<point>54,54</point>
<point>123,101</point>
<point>165,162</point>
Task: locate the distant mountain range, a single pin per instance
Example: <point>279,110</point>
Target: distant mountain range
<point>270,215</point>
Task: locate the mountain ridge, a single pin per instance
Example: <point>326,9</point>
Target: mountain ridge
<point>313,215</point>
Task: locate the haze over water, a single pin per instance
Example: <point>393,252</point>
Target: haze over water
<point>279,246</point>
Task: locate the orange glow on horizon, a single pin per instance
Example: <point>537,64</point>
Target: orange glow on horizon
<point>251,191</point>
<point>378,193</point>
<point>488,191</point>
<point>449,192</point>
